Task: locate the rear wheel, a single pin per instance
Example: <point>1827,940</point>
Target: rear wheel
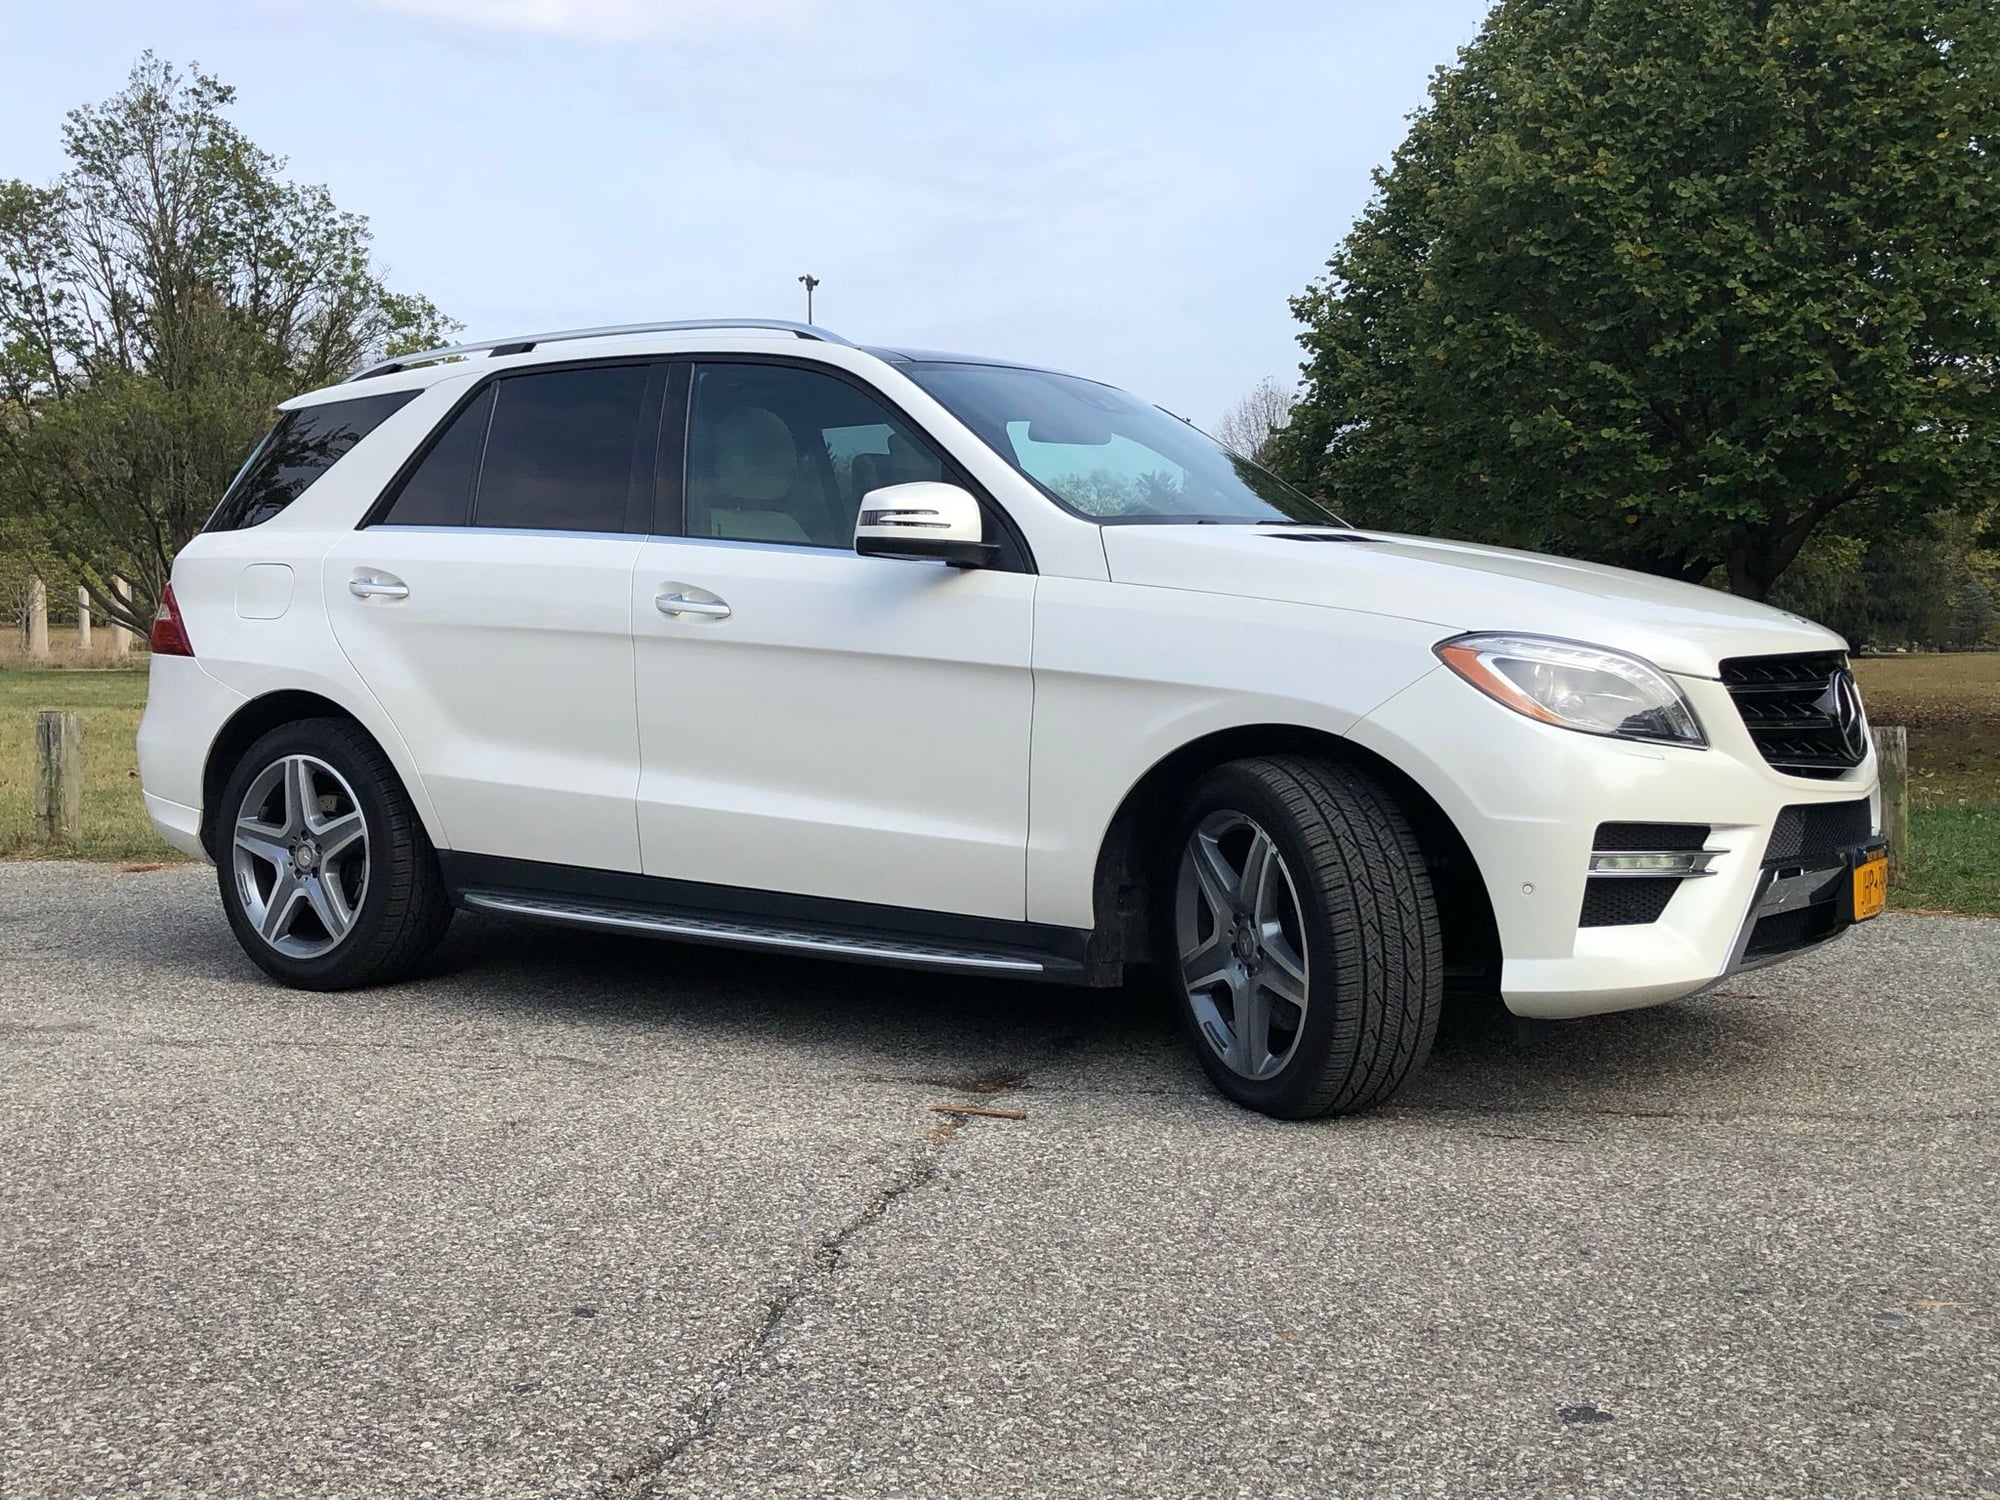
<point>326,873</point>
<point>1306,947</point>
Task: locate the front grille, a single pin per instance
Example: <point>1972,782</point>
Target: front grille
<point>1802,711</point>
<point>1621,902</point>
<point>1818,833</point>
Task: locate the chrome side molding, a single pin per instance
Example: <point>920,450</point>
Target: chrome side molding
<point>746,934</point>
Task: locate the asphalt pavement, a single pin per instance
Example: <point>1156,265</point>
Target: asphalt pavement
<point>578,1216</point>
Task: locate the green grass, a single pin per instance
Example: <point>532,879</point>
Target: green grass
<point>1954,861</point>
<point>1955,841</point>
<point>114,818</point>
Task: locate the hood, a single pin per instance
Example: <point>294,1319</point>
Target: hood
<point>1458,586</point>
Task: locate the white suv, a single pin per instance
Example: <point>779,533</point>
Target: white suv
<point>734,632</point>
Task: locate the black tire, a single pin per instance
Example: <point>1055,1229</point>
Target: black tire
<point>403,909</point>
<point>1374,963</point>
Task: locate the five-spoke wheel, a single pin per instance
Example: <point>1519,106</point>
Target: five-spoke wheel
<point>1241,943</point>
<point>301,856</point>
<point>325,871</point>
<point>1304,935</point>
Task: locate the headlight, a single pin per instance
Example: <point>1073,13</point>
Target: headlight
<point>1577,687</point>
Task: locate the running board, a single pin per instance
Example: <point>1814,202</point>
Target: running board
<point>738,934</point>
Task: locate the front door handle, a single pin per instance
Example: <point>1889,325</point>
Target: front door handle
<point>378,588</point>
<point>674,603</point>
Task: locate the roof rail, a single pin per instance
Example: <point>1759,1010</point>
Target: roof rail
<point>522,343</point>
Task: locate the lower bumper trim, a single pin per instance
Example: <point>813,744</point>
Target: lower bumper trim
<point>1793,910</point>
<point>177,823</point>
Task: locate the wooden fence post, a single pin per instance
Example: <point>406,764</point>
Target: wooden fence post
<point>1892,754</point>
<point>82,619</point>
<point>58,776</point>
<point>38,620</point>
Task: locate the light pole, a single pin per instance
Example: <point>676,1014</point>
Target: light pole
<point>809,282</point>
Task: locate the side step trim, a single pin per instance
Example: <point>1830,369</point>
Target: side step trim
<point>747,934</point>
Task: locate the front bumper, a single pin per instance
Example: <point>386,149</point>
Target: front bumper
<point>1529,800</point>
<point>1800,905</point>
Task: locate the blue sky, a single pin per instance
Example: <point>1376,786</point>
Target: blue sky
<point>1130,190</point>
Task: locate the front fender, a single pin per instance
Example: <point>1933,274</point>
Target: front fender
<point>1126,676</point>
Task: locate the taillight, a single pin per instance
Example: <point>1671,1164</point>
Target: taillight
<point>170,632</point>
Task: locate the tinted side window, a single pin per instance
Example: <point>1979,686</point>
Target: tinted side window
<point>304,445</point>
<point>562,448</point>
<point>781,454</point>
<point>439,490</point>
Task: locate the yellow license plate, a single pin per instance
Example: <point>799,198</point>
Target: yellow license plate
<point>1871,887</point>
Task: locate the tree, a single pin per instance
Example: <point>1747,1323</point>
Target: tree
<point>155,302</point>
<point>1253,422</point>
<point>1674,284</point>
<point>1933,587</point>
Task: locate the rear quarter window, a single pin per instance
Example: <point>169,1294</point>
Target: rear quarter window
<point>304,445</point>
<point>566,449</point>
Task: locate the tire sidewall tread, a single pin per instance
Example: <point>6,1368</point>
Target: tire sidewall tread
<point>1374,938</point>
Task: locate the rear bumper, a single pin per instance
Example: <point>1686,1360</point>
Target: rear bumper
<point>177,823</point>
<point>185,710</point>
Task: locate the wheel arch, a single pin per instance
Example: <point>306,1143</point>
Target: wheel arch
<point>258,717</point>
<point>1132,851</point>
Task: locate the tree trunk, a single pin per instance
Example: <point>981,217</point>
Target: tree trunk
<point>1758,558</point>
<point>83,620</point>
<point>1749,566</point>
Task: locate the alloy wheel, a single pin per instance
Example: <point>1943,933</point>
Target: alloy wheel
<point>300,856</point>
<point>1240,936</point>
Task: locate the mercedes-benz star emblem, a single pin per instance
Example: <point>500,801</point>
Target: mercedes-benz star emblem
<point>1841,703</point>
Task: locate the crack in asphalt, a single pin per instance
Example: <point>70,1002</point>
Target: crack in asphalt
<point>698,1418</point>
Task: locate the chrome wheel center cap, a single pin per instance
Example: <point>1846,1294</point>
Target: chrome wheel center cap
<point>305,856</point>
<point>1246,943</point>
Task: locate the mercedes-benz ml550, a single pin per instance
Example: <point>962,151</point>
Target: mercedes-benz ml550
<point>738,633</point>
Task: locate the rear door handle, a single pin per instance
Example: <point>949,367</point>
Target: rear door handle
<point>378,588</point>
<point>674,603</point>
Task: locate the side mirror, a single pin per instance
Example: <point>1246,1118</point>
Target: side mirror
<point>924,520</point>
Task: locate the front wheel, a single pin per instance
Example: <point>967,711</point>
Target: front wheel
<point>1306,948</point>
<point>326,874</point>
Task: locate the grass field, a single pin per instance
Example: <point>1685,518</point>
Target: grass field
<point>108,702</point>
<point>1951,705</point>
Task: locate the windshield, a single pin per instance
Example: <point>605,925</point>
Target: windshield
<point>1107,455</point>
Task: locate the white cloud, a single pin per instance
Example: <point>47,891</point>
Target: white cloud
<point>1130,188</point>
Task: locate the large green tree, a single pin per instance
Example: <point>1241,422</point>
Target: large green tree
<point>155,302</point>
<point>1674,284</point>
